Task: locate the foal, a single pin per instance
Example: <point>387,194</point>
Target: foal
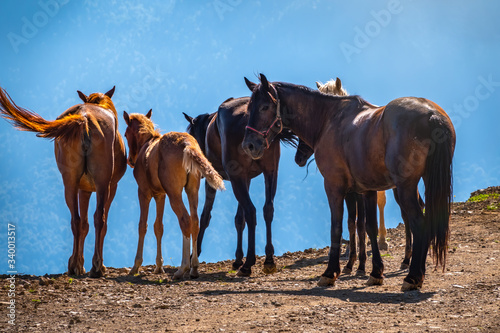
<point>166,164</point>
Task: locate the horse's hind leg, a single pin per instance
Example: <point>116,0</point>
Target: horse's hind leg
<point>75,263</point>
<point>408,198</point>
<point>175,198</point>
<point>271,180</point>
<point>158,227</point>
<point>210,193</point>
<point>144,200</point>
<point>408,244</point>
<point>84,198</point>
<point>382,231</point>
<point>192,188</point>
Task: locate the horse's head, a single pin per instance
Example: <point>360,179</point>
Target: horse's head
<point>103,100</point>
<point>265,122</point>
<point>332,87</point>
<point>139,130</point>
<point>198,127</point>
<point>303,153</point>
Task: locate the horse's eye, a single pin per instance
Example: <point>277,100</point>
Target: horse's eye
<point>265,108</point>
<point>277,124</point>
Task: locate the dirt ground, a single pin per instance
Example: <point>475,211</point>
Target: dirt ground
<point>465,298</point>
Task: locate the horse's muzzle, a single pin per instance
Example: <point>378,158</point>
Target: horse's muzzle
<point>253,149</point>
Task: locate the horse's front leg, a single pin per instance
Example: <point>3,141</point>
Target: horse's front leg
<point>271,180</point>
<point>239,224</point>
<point>158,227</point>
<point>336,201</point>
<point>376,276</point>
<point>144,200</point>
<point>206,214</point>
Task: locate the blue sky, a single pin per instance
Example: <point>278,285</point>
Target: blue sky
<point>179,56</point>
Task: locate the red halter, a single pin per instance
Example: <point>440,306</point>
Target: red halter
<point>265,134</point>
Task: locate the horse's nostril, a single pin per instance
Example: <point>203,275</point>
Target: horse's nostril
<point>251,147</point>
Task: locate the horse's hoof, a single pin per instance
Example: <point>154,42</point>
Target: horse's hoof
<point>95,273</point>
<point>383,246</point>
<point>410,286</point>
<point>237,265</point>
<point>103,269</point>
<point>193,274</point>
<point>244,271</point>
<point>404,266</point>
<point>178,275</point>
<point>347,271</point>
<point>133,271</point>
<point>159,270</point>
<point>360,272</point>
<point>269,268</point>
<point>326,281</point>
<point>373,281</point>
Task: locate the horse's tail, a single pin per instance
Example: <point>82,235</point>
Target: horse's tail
<point>195,162</point>
<point>26,120</point>
<point>439,189</point>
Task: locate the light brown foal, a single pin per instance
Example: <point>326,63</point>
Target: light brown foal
<point>167,164</point>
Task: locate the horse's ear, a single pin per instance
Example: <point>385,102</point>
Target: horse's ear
<point>250,84</point>
<point>82,96</point>
<point>126,117</point>
<point>188,118</point>
<point>338,83</point>
<point>318,84</point>
<point>264,82</point>
<point>110,92</point>
<point>148,115</point>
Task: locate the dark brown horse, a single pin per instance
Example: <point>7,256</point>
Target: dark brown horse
<point>167,164</point>
<point>407,140</point>
<point>354,202</point>
<point>220,135</point>
<point>90,155</point>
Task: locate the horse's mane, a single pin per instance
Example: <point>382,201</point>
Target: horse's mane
<point>355,98</point>
<point>330,86</point>
<point>147,126</point>
<point>288,138</point>
<point>103,101</point>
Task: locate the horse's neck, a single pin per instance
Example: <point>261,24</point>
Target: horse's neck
<point>307,115</point>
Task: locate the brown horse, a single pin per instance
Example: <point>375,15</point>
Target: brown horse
<point>167,164</point>
<point>90,155</point>
<point>220,135</point>
<point>304,152</point>
<point>407,140</point>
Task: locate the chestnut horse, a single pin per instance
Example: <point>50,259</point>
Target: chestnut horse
<point>167,164</point>
<point>90,155</point>
<point>407,140</point>
<point>220,135</point>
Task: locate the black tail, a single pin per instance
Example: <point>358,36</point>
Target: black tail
<point>439,190</point>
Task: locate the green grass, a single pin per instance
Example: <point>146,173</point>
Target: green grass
<point>483,197</point>
<point>36,300</point>
<point>231,272</point>
<point>493,206</point>
<point>70,280</point>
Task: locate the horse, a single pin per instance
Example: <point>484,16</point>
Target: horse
<point>220,135</point>
<point>404,141</point>
<point>304,152</point>
<point>165,165</point>
<point>90,155</point>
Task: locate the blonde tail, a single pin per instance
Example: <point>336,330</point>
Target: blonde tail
<point>195,162</point>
